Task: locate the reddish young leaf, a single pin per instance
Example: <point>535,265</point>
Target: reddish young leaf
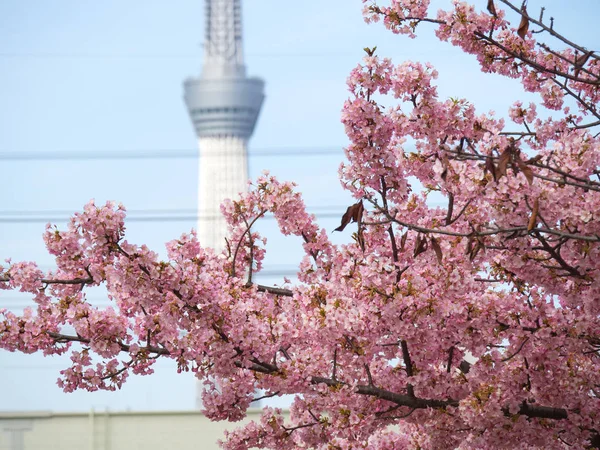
<point>492,8</point>
<point>524,25</point>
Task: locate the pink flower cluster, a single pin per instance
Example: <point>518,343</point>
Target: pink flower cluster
<point>475,324</point>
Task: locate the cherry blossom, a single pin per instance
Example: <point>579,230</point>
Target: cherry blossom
<point>470,325</point>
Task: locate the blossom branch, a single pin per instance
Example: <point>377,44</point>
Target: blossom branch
<point>74,281</point>
<point>64,338</point>
<point>545,27</point>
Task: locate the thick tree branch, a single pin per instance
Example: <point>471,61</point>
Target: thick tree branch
<point>274,290</point>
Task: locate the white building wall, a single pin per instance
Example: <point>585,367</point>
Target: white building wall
<point>177,430</point>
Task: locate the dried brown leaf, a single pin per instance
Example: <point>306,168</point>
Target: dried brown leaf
<point>403,240</point>
<point>360,239</point>
<point>492,8</point>
<point>534,214</point>
<point>475,250</point>
<point>535,159</point>
<point>353,214</point>
<point>524,25</point>
<point>420,246</point>
<point>490,167</point>
<point>469,247</point>
<point>526,170</point>
<point>437,249</point>
<point>581,60</point>
<point>358,213</point>
<point>445,164</point>
<point>503,162</point>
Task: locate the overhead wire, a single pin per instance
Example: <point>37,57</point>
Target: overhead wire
<point>182,218</point>
<point>195,56</point>
<point>148,215</point>
<point>96,154</point>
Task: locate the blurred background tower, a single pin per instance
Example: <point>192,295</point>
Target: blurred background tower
<point>223,104</point>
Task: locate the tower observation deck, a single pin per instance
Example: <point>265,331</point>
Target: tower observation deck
<point>223,104</point>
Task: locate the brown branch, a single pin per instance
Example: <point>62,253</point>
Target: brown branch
<point>399,399</point>
<point>450,208</point>
<point>274,394</point>
<point>464,366</point>
<point>273,290</point>
<point>284,351</point>
<point>297,427</point>
<point>526,409</point>
<point>255,368</point>
<point>542,412</point>
<point>334,370</point>
<point>390,231</point>
<point>583,183</point>
<point>89,280</point>
<point>488,280</point>
<point>557,256</point>
<point>373,391</point>
<point>450,356</point>
<point>313,255</point>
<point>532,63</point>
<point>272,368</point>
<point>460,213</point>
<point>508,358</point>
<point>239,244</point>
<point>577,66</point>
<point>546,28</point>
<point>62,338</point>
<point>588,107</point>
<point>251,262</point>
<point>510,230</point>
<point>118,372</point>
<point>369,376</point>
<point>409,366</point>
<point>404,416</point>
<point>482,158</point>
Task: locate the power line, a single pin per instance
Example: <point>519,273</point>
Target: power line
<point>30,212</point>
<point>158,154</point>
<point>195,56</point>
<point>149,215</point>
<point>183,218</point>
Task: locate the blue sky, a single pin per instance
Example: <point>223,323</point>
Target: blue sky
<point>92,77</point>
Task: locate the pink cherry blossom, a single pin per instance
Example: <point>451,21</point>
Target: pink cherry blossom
<point>471,325</point>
